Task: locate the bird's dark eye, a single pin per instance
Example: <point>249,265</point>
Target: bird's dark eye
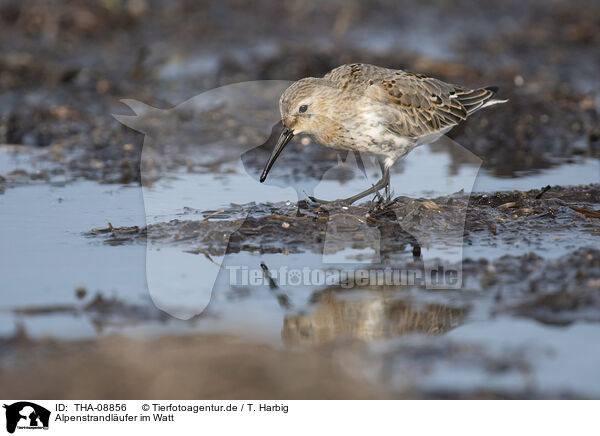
<point>303,108</point>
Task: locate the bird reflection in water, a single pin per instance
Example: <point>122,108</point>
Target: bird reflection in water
<point>336,317</point>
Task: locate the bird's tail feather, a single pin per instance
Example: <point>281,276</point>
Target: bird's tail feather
<point>475,99</point>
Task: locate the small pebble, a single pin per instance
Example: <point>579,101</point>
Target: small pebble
<point>519,81</point>
<point>80,292</point>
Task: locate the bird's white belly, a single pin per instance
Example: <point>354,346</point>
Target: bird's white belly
<point>377,139</point>
<point>369,133</point>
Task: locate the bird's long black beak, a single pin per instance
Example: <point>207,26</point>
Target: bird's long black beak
<point>284,138</point>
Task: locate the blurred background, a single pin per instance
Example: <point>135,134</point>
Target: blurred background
<point>67,167</point>
<point>66,64</point>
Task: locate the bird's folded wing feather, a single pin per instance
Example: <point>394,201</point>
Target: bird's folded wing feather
<point>415,105</point>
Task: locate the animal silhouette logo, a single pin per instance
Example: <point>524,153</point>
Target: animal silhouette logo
<point>216,138</point>
<point>200,132</point>
<point>26,415</point>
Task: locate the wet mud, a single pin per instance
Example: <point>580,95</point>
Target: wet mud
<point>536,216</point>
<point>225,368</point>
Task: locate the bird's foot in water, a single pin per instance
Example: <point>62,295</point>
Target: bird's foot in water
<point>380,204</point>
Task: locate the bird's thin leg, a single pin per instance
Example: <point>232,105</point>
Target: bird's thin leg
<point>385,181</point>
<point>387,186</point>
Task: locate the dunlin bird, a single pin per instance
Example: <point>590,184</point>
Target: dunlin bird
<point>365,108</point>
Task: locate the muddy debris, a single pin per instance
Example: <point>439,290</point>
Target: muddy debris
<point>586,212</point>
<point>101,311</point>
<point>117,235</point>
<point>279,227</point>
<point>558,292</point>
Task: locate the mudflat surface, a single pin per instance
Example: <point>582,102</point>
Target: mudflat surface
<point>93,202</point>
<point>224,368</point>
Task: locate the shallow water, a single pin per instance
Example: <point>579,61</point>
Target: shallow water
<point>46,256</point>
<point>423,173</point>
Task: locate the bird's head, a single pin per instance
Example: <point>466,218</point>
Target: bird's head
<point>306,107</point>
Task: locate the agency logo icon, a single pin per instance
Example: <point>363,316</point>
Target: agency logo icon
<point>26,415</point>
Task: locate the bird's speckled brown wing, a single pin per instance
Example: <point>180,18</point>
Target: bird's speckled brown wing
<point>422,105</point>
